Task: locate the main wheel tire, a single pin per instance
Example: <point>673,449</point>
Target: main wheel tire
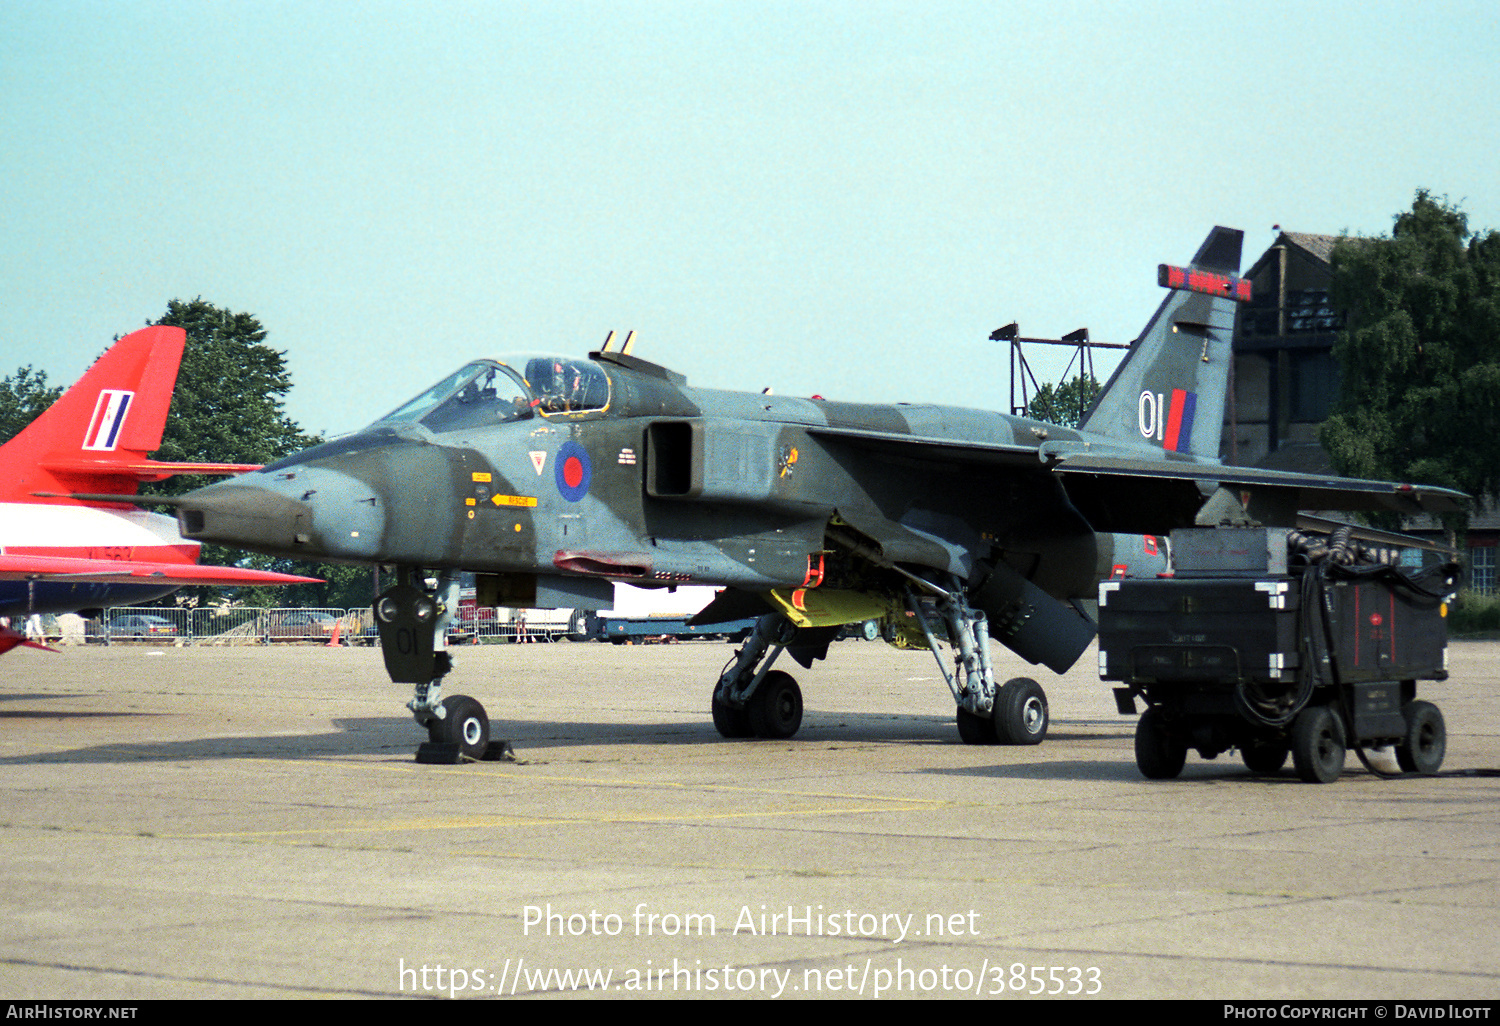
<point>465,725</point>
<point>1265,758</point>
<point>1021,716</point>
<point>728,721</point>
<point>1159,755</point>
<point>1426,741</point>
<point>974,729</point>
<point>776,706</point>
<point>1319,744</point>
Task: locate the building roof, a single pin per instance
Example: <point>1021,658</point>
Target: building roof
<point>1320,246</point>
<point>1483,520</point>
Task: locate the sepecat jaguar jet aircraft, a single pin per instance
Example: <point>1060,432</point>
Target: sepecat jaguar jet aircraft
<point>552,477</point>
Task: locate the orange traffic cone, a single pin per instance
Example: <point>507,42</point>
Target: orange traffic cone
<point>333,642</point>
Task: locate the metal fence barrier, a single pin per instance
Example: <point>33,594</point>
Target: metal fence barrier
<point>173,625</point>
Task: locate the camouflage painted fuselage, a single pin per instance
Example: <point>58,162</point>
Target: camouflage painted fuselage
<point>661,483</point>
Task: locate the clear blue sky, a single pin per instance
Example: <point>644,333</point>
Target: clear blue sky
<point>833,197</point>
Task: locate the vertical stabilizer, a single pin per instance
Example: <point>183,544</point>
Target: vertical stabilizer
<point>111,419</point>
<point>1169,393</point>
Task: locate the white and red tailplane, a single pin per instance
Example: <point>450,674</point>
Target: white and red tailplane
<point>60,531</point>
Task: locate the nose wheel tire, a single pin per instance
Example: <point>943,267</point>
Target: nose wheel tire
<point>465,725</point>
<point>730,722</point>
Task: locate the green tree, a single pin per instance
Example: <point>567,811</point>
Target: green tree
<point>1064,404</point>
<point>23,396</point>
<point>227,407</point>
<point>1420,354</point>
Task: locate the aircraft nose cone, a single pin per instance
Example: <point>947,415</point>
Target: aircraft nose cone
<point>307,512</point>
<point>244,515</point>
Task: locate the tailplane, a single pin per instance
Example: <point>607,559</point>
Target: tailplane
<point>1169,393</point>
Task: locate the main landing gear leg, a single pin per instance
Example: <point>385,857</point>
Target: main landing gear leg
<point>1012,714</point>
<point>413,623</point>
<point>751,699</point>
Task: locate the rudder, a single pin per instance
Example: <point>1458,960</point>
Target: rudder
<point>1170,391</point>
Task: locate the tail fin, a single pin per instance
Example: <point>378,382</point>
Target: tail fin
<point>97,435</point>
<point>1169,392</point>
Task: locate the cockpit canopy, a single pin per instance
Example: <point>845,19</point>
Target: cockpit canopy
<point>488,392</point>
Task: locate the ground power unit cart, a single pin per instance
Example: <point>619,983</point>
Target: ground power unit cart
<point>1273,642</point>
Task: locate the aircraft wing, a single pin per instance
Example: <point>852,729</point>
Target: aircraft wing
<point>15,567</point>
<point>1140,495</point>
<point>1274,496</point>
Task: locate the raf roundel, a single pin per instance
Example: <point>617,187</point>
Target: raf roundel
<point>572,471</point>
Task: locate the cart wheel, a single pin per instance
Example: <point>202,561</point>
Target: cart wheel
<point>1426,741</point>
<point>1265,758</point>
<point>1318,744</point>
<point>1158,755</point>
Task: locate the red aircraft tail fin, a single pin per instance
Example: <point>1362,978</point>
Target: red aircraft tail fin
<point>97,435</point>
<point>110,419</point>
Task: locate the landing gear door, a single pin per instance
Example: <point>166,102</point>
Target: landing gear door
<point>406,618</point>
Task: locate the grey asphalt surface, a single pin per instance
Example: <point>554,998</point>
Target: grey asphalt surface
<point>250,823</point>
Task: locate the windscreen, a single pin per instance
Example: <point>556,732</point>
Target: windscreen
<point>475,395</point>
<point>491,392</point>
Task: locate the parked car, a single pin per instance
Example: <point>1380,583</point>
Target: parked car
<point>140,627</point>
<point>301,625</point>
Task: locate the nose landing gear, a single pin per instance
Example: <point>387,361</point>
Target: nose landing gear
<point>413,624</point>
